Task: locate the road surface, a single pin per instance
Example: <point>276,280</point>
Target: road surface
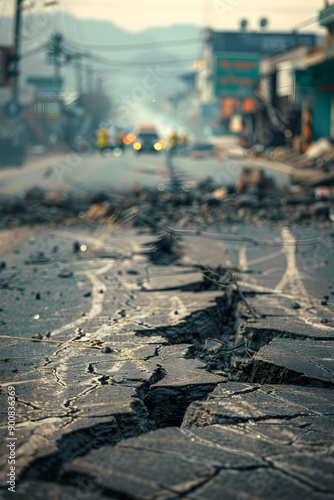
<point>94,172</point>
<point>154,415</point>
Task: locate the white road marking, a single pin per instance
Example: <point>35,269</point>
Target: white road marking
<point>97,299</point>
<point>264,289</point>
<point>243,258</point>
<point>265,257</point>
<point>291,279</point>
<point>177,305</point>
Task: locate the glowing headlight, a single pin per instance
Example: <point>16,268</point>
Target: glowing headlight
<point>157,146</point>
<point>137,146</point>
<point>131,137</point>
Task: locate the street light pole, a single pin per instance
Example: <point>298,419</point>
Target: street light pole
<point>17,44</point>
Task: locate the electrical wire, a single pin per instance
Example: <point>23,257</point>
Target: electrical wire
<point>306,23</point>
<point>130,64</point>
<point>139,46</point>
<point>34,51</point>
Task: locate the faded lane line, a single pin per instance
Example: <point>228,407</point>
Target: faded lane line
<point>177,305</point>
<point>243,258</point>
<point>97,299</point>
<point>291,279</point>
<point>264,289</point>
<point>321,326</point>
<point>270,271</point>
<point>265,257</point>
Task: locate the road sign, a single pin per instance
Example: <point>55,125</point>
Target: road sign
<point>13,109</point>
<point>236,74</point>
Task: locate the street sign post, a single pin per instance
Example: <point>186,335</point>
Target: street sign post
<point>13,109</point>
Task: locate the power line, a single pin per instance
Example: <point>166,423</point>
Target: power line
<point>139,46</point>
<point>34,51</point>
<point>307,22</point>
<point>125,64</point>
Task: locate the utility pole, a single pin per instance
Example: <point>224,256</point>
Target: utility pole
<point>55,53</point>
<point>78,75</point>
<point>17,45</point>
<point>89,78</point>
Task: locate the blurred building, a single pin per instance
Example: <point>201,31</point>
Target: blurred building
<point>296,92</point>
<point>278,111</point>
<point>44,114</point>
<point>315,84</point>
<point>182,105</point>
<point>13,128</point>
<point>231,74</point>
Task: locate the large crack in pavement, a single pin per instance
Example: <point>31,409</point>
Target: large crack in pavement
<point>163,412</point>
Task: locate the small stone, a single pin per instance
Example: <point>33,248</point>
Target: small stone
<point>48,334</point>
<point>324,302</point>
<point>326,297</point>
<point>65,273</point>
<point>295,305</point>
<point>101,291</point>
<point>37,336</point>
<point>87,294</point>
<point>55,249</point>
<point>76,246</point>
<point>37,296</point>
<point>2,264</point>
<point>106,349</point>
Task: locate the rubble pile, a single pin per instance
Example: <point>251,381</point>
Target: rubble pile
<point>314,167</point>
<point>197,205</point>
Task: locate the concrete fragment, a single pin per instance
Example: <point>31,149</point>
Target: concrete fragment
<point>286,361</point>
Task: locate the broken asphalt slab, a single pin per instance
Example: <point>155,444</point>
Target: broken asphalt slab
<point>150,418</point>
<point>283,361</point>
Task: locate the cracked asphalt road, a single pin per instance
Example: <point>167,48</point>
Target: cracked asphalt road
<point>149,382</point>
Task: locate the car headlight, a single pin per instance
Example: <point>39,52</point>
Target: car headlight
<point>137,146</point>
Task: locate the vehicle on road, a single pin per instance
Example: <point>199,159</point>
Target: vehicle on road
<point>147,140</point>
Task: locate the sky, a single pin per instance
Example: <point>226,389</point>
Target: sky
<point>136,15</point>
